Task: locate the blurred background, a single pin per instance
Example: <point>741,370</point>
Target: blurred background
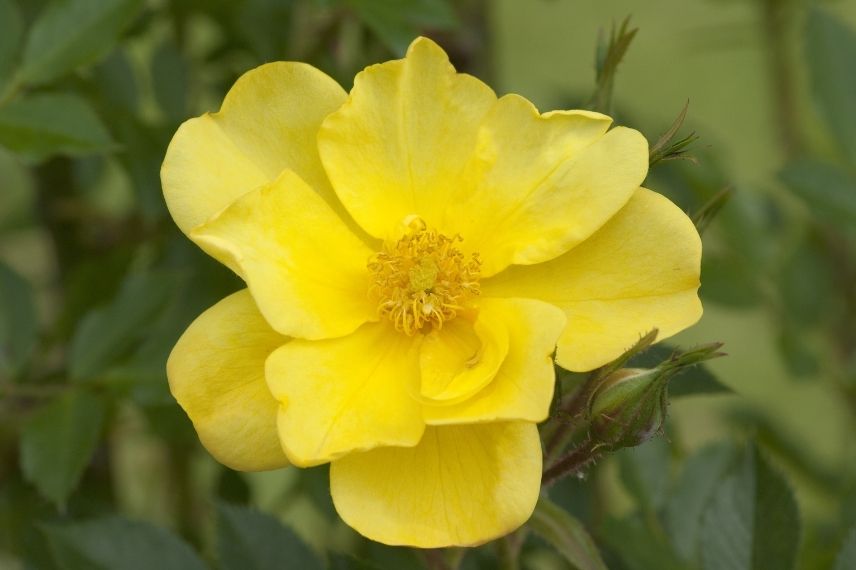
<point>96,283</point>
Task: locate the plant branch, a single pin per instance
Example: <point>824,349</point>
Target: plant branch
<point>573,462</point>
<point>775,15</point>
<point>711,208</point>
<point>608,55</point>
<point>508,550</point>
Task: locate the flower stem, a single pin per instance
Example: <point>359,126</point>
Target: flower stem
<point>434,559</point>
<point>777,16</point>
<point>573,462</point>
<point>508,552</point>
<point>568,414</point>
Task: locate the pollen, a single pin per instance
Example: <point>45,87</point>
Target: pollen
<point>423,279</point>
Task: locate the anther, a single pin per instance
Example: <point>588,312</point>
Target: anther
<point>422,280</point>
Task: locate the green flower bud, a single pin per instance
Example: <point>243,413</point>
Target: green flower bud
<point>628,407</point>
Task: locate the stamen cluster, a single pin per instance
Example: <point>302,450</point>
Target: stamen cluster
<point>423,280</point>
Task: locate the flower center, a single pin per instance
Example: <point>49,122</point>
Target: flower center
<point>422,279</point>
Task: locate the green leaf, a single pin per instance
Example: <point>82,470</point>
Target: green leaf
<point>58,441</point>
<point>638,546</point>
<point>795,348</point>
<point>11,33</point>
<point>117,84</point>
<point>644,473</point>
<point>806,281</point>
<point>18,324</point>
<point>72,33</point>
<point>18,197</point>
<point>830,52</point>
<point>251,540</point>
<point>770,432</point>
<point>693,489</point>
<point>727,527</point>
<point>115,543</point>
<point>777,519</point>
<point>752,522</point>
<point>41,125</point>
<point>827,190</point>
<point>170,80</point>
<point>567,535</point>
<point>846,559</point>
<point>398,22</point>
<point>729,280</point>
<point>315,482</point>
<point>108,334</point>
<point>232,487</point>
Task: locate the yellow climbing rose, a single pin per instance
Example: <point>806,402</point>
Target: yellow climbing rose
<point>415,254</point>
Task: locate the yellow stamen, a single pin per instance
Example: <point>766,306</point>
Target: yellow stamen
<point>423,280</point>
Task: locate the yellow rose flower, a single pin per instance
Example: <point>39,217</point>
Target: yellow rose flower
<point>414,252</point>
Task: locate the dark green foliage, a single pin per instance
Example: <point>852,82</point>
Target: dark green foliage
<point>54,47</point>
<point>638,547</point>
<point>58,123</point>
<point>251,540</point>
<point>847,556</point>
<point>830,50</point>
<point>828,191</point>
<point>58,440</point>
<point>397,22</point>
<point>106,334</point>
<point>18,322</point>
<point>115,543</point>
<point>690,495</point>
<point>567,535</point>
<point>11,34</point>
<point>752,521</point>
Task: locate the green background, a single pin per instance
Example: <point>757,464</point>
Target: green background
<point>96,284</point>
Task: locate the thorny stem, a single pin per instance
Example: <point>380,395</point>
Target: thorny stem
<point>574,461</point>
<point>571,411</point>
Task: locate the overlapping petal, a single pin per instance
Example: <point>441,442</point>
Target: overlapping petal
<point>268,122</point>
<point>538,185</point>
<point>462,357</point>
<point>638,272</point>
<point>304,267</point>
<point>346,394</point>
<point>399,144</point>
<point>462,485</point>
<point>216,372</point>
<point>522,388</point>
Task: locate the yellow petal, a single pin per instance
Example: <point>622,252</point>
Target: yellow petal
<point>540,184</point>
<point>305,269</point>
<point>268,122</point>
<point>216,372</point>
<point>461,486</point>
<point>638,272</point>
<point>523,386</point>
<point>398,145</point>
<point>347,394</point>
<point>462,357</point>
